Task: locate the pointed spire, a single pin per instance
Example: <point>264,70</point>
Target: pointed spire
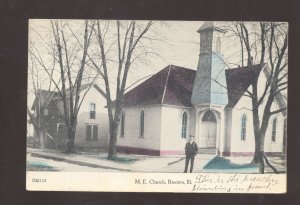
<point>206,25</point>
<point>209,25</point>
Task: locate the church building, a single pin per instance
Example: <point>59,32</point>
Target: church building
<point>209,103</point>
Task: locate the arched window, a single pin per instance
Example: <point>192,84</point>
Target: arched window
<point>184,125</point>
<point>209,117</point>
<point>218,45</point>
<point>274,124</point>
<point>243,127</point>
<point>123,124</point>
<point>142,123</point>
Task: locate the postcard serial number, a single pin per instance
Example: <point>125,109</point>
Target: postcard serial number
<point>37,180</point>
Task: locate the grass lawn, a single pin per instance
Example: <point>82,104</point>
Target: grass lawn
<point>220,164</point>
<point>40,166</point>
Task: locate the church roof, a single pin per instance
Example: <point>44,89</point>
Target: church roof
<point>173,85</point>
<point>207,25</point>
<point>238,80</point>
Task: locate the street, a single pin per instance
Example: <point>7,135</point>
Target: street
<point>49,160</point>
<point>60,166</point>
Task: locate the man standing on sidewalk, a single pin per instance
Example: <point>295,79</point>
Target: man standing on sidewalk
<point>191,150</point>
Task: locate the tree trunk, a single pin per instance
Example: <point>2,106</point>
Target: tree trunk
<point>71,139</point>
<point>256,122</point>
<point>259,154</point>
<point>38,138</point>
<point>261,140</point>
<point>112,152</point>
<point>256,152</point>
<point>70,144</point>
<point>261,164</point>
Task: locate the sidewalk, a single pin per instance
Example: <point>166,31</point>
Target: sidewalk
<point>207,163</point>
<point>136,163</point>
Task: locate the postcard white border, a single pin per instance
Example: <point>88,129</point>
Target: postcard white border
<point>159,182</point>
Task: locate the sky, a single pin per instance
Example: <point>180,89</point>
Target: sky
<point>178,45</point>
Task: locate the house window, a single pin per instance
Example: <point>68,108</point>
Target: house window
<point>59,127</point>
<point>95,132</point>
<point>218,45</point>
<point>142,125</point>
<point>274,124</point>
<point>45,111</point>
<point>91,132</point>
<point>92,110</point>
<point>243,127</point>
<point>123,124</point>
<point>184,125</point>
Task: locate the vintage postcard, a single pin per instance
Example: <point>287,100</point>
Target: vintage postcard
<point>157,106</point>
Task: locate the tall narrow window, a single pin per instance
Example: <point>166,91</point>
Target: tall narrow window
<point>92,110</point>
<point>184,125</point>
<point>243,127</point>
<point>142,121</point>
<point>123,124</point>
<point>91,132</point>
<point>274,124</point>
<point>218,45</point>
<point>88,132</point>
<point>45,111</point>
<point>95,132</point>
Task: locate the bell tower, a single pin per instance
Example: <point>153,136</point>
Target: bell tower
<point>209,86</point>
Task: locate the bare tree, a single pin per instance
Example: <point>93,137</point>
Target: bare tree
<point>272,42</point>
<point>35,119</point>
<point>37,82</point>
<point>127,46</point>
<point>71,59</point>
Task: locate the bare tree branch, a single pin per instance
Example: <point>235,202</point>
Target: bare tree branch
<point>278,111</point>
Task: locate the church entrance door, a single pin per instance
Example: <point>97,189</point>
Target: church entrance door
<point>208,130</point>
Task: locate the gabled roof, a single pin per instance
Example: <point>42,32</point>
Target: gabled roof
<point>82,87</point>
<point>47,96</point>
<point>174,84</point>
<point>238,81</point>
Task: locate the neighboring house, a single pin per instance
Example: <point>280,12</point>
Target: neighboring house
<point>92,126</point>
<point>159,114</point>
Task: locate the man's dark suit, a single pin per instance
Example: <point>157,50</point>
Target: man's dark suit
<point>191,150</point>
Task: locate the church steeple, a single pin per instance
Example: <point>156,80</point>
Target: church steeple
<point>210,81</point>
